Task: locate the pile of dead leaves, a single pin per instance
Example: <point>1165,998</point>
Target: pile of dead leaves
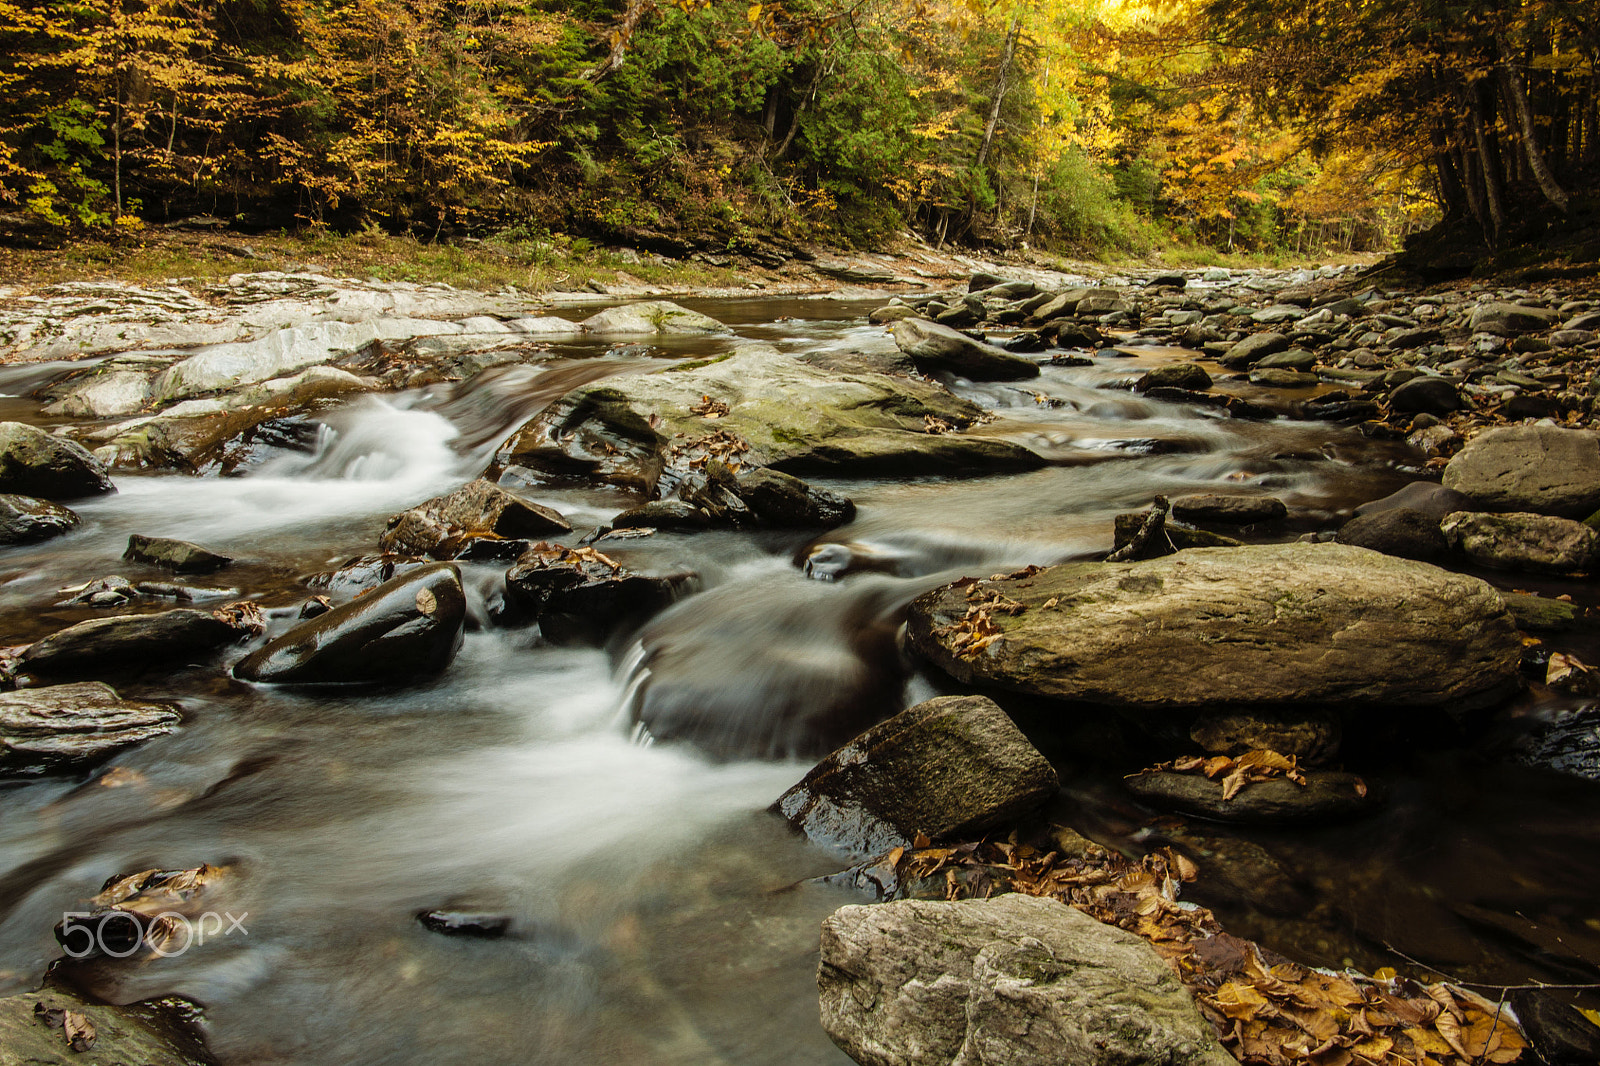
<point>930,424</point>
<point>722,445</point>
<point>243,615</point>
<point>976,630</point>
<point>1267,1010</point>
<point>1236,772</point>
<point>547,555</point>
<point>709,408</point>
<point>74,1025</point>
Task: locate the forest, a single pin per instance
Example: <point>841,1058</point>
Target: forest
<point>1084,125</point>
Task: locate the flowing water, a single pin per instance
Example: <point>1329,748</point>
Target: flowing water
<point>660,915</point>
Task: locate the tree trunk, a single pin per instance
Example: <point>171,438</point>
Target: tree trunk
<point>999,90</point>
<point>1512,85</point>
<point>1493,186</point>
<point>620,39</point>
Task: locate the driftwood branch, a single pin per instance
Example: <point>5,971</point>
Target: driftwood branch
<point>1154,525</point>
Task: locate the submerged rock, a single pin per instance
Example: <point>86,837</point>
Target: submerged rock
<point>445,526</point>
<point>66,727</point>
<point>109,644</point>
<point>950,768</point>
<point>34,463</point>
<point>762,409</point>
<point>1313,624</point>
<point>409,626</point>
<point>1019,980</point>
<point>933,347</point>
<point>1539,468</point>
<point>179,556</point>
<point>28,519</point>
<point>1326,796</point>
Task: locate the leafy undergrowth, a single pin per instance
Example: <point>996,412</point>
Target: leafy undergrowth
<point>1268,1010</point>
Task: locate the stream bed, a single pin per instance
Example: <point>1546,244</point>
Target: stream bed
<point>660,915</point>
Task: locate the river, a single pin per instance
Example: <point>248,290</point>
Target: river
<point>659,915</point>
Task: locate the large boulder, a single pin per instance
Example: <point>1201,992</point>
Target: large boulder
<point>410,625</point>
<point>65,727</point>
<point>445,526</point>
<point>1540,468</point>
<point>761,408</point>
<point>950,768</point>
<point>1523,541</point>
<point>1311,624</point>
<point>28,519</point>
<point>933,348</point>
<point>104,644</point>
<point>1010,981</point>
<point>34,463</point>
<point>1506,319</point>
<point>1191,376</point>
<point>652,316</point>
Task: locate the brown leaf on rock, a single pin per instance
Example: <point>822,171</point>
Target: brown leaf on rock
<point>79,1031</point>
<point>709,408</point>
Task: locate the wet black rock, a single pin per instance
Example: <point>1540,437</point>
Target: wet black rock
<point>581,595</point>
<point>1552,1024</point>
<point>364,572</point>
<point>1397,531</point>
<point>785,501</point>
<point>66,727</point>
<point>34,463</point>
<point>179,556</point>
<point>671,515</point>
<point>28,519</point>
<point>110,644</point>
<point>445,526</point>
<point>407,627</point>
<point>952,767</point>
<point>1326,796</point>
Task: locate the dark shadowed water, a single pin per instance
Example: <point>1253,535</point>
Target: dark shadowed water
<point>660,916</point>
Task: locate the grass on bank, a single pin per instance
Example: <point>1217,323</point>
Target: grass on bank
<point>532,265</point>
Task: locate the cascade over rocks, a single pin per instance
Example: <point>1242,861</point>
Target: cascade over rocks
<point>782,412</point>
<point>67,727</point>
<point>950,768</point>
<point>35,463</point>
<point>1314,624</point>
<point>1011,981</point>
<point>409,626</point>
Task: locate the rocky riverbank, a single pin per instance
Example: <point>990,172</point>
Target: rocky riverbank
<point>1242,637</point>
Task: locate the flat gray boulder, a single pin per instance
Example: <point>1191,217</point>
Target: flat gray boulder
<point>1540,468</point>
<point>1311,624</point>
<point>1254,348</point>
<point>760,408</point>
<point>950,767</point>
<point>65,727</point>
<point>1010,981</point>
<point>1506,319</point>
<point>933,348</point>
<point>653,316</point>
<point>35,463</point>
<point>1523,541</point>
